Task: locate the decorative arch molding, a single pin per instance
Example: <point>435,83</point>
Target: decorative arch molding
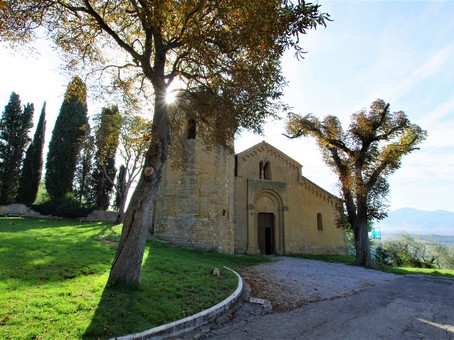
<point>270,195</point>
<point>266,202</point>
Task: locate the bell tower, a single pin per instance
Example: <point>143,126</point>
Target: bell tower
<point>195,203</point>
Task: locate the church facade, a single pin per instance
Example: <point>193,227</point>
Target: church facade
<point>254,202</point>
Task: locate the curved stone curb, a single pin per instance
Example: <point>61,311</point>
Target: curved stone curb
<point>191,322</point>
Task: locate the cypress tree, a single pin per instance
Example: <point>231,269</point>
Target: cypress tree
<point>66,140</point>
<point>14,126</point>
<point>121,184</point>
<point>107,138</point>
<point>33,164</point>
<point>82,177</point>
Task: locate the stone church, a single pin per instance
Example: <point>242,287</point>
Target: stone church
<point>256,201</point>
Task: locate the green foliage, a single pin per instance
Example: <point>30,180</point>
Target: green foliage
<point>66,140</point>
<point>67,206</point>
<point>14,126</point>
<point>82,176</point>
<point>350,239</point>
<point>346,259</point>
<point>382,256</point>
<point>120,192</point>
<point>382,267</point>
<point>54,273</point>
<point>449,273</point>
<point>407,250</point>
<point>33,163</point>
<point>42,194</point>
<point>107,139</point>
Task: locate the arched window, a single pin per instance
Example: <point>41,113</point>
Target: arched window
<point>319,222</point>
<point>265,170</point>
<point>191,129</point>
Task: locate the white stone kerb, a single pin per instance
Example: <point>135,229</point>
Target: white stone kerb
<point>191,322</point>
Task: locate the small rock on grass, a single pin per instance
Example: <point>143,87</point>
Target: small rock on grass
<point>216,272</point>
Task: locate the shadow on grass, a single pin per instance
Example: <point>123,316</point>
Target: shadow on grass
<point>37,251</point>
<point>176,283</point>
<point>121,311</point>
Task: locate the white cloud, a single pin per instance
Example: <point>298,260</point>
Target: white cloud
<point>437,62</point>
<point>433,118</point>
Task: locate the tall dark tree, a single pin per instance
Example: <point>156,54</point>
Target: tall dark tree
<point>107,138</point>
<point>66,140</point>
<point>362,157</point>
<point>82,176</point>
<point>14,126</point>
<point>33,164</point>
<point>120,192</point>
<point>225,55</point>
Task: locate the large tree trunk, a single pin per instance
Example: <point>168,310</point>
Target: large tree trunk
<point>128,259</point>
<point>362,244</point>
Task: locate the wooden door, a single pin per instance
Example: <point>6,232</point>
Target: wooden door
<point>266,233</point>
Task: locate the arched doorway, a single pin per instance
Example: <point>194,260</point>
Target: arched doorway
<point>267,228</point>
<point>265,235</point>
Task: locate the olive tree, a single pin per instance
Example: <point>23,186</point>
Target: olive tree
<point>362,157</point>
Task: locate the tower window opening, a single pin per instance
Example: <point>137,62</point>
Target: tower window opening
<point>265,170</point>
<point>191,133</point>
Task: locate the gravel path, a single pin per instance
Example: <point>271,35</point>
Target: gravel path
<point>289,282</point>
<point>318,300</point>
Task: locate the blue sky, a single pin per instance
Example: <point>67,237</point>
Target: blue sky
<point>400,51</point>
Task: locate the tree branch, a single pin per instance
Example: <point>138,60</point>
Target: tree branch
<point>91,11</point>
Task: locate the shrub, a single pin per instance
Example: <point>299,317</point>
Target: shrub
<point>67,206</point>
<point>381,255</point>
<point>409,251</point>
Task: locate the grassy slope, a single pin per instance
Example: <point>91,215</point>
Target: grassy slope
<point>53,276</point>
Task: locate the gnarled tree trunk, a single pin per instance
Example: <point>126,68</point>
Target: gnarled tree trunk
<point>127,264</point>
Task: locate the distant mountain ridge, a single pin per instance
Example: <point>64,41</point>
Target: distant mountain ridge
<point>415,221</point>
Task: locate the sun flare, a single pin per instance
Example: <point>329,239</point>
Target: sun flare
<point>171,97</point>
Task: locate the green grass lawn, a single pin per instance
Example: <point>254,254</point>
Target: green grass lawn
<point>385,268</point>
<point>53,276</point>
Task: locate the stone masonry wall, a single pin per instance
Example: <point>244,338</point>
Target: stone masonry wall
<point>195,202</point>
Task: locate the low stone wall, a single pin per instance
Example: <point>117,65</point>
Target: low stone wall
<point>17,209</point>
<point>101,215</point>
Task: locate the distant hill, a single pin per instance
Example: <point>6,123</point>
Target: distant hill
<point>414,221</point>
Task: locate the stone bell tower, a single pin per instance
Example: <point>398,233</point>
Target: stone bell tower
<point>195,204</point>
